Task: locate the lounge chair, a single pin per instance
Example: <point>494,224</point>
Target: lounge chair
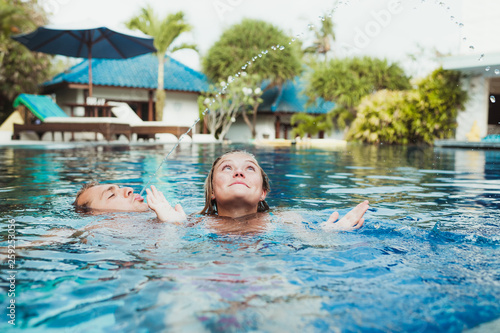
<point>144,129</point>
<point>51,118</point>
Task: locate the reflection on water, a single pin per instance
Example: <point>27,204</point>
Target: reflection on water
<point>427,259</point>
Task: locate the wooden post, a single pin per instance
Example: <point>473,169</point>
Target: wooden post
<point>277,127</point>
<point>150,106</point>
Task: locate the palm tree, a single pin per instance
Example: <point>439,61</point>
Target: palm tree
<point>165,32</point>
<point>324,36</point>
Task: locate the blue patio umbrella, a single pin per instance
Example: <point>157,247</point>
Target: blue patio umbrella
<point>86,40</point>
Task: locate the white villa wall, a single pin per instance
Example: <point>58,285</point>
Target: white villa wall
<point>121,94</point>
<point>476,108</point>
<point>65,96</point>
<point>181,109</point>
<point>240,132</point>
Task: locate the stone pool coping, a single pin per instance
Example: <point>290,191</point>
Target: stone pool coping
<point>466,144</point>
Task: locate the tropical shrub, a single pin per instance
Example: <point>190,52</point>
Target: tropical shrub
<point>419,115</point>
<point>384,117</point>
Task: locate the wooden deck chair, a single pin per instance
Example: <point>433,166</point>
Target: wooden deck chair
<point>42,115</point>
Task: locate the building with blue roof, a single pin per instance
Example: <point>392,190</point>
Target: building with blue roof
<point>133,81</point>
<point>279,104</point>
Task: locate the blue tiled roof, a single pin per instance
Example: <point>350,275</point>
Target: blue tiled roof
<point>291,98</point>
<point>137,72</point>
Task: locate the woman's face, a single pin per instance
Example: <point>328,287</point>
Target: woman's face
<point>113,198</point>
<point>237,181</point>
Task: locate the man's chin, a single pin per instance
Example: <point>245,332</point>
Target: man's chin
<point>141,207</point>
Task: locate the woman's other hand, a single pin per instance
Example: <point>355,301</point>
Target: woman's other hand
<point>352,220</point>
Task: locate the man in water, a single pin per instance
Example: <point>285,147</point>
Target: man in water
<point>112,198</point>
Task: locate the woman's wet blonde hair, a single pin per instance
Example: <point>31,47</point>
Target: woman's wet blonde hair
<point>211,204</point>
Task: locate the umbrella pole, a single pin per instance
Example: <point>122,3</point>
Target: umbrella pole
<point>90,68</point>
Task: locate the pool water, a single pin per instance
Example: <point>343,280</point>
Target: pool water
<point>427,259</point>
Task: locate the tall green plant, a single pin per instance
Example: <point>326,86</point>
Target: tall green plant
<point>21,70</point>
<point>441,98</point>
<point>247,41</point>
<point>164,31</point>
<point>347,81</point>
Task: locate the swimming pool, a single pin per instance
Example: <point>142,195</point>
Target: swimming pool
<point>427,259</point>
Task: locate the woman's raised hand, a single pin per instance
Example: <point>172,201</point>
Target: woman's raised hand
<point>352,220</point>
<point>165,212</point>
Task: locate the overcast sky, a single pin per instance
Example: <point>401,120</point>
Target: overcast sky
<point>382,28</point>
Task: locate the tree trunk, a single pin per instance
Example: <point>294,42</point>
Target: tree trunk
<point>254,129</point>
<point>248,122</point>
<point>160,91</point>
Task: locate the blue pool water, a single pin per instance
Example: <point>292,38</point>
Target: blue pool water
<point>427,259</point>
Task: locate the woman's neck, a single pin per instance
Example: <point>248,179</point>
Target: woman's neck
<point>236,212</point>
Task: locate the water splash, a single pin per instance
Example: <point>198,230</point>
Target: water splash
<point>260,55</point>
<point>492,99</point>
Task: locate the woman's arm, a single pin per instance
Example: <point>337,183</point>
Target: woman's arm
<point>351,221</point>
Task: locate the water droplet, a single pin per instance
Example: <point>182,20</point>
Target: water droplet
<point>464,39</point>
<point>376,225</point>
<point>293,39</point>
<point>260,55</point>
<point>471,47</point>
<point>460,25</point>
<point>487,68</point>
<point>452,17</point>
<point>310,26</point>
<point>481,57</point>
<point>282,48</point>
<point>492,99</point>
<point>497,71</point>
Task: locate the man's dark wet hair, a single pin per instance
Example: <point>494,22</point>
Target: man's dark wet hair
<point>85,205</point>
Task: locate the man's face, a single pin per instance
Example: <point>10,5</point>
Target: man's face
<point>110,197</point>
